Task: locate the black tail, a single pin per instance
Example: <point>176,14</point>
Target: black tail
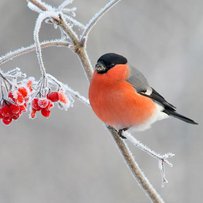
<point>181,117</point>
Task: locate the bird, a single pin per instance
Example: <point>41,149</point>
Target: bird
<point>122,98</point>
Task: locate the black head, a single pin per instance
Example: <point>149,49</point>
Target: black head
<point>108,61</point>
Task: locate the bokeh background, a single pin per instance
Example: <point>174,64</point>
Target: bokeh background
<point>71,157</point>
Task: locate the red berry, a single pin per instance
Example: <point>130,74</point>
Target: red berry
<point>20,98</point>
<point>23,91</point>
<point>10,95</point>
<point>7,120</point>
<point>35,105</point>
<point>29,85</point>
<point>1,116</point>
<point>23,108</point>
<point>14,109</point>
<point>15,116</point>
<point>53,96</point>
<point>33,113</point>
<point>50,105</point>
<point>16,97</point>
<point>43,103</point>
<point>63,98</point>
<point>5,111</point>
<point>45,112</point>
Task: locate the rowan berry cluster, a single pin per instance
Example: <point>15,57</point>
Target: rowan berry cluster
<point>18,96</point>
<point>45,104</point>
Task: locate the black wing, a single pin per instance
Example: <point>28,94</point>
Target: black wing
<point>168,108</point>
<point>158,98</point>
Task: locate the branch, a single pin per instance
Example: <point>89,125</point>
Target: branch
<point>78,96</point>
<point>163,159</point>
<point>42,6</point>
<point>59,20</point>
<point>74,93</point>
<point>135,169</point>
<point>25,50</point>
<point>64,4</point>
<point>94,20</point>
<point>40,19</point>
<point>76,23</point>
<point>69,31</point>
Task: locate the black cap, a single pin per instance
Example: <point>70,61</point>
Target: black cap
<point>108,61</point>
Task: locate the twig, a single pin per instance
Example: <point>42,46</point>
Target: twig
<point>78,96</point>
<point>77,23</point>
<point>40,19</point>
<point>25,50</point>
<point>38,4</point>
<point>135,169</point>
<point>60,21</point>
<point>69,31</point>
<point>161,158</point>
<point>94,20</point>
<point>74,93</point>
<point>64,4</point>
<point>3,77</point>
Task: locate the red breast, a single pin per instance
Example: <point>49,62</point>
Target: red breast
<point>116,102</point>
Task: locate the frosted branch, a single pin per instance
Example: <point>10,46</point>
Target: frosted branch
<point>68,30</point>
<point>70,11</point>
<point>4,78</point>
<point>34,8</point>
<point>38,4</point>
<point>35,5</point>
<point>40,19</point>
<point>25,50</point>
<point>163,159</point>
<point>135,169</point>
<point>75,22</point>
<point>74,93</point>
<point>77,95</point>
<point>64,4</point>
<point>94,20</point>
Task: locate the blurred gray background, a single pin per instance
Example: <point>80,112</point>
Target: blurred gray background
<point>71,157</point>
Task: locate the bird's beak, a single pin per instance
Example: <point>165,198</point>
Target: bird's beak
<point>100,68</point>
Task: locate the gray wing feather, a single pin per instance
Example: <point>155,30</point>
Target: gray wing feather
<point>141,85</point>
<point>138,80</point>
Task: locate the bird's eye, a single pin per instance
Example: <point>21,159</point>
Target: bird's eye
<point>113,64</point>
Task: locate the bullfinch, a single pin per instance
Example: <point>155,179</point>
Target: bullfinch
<point>122,98</point>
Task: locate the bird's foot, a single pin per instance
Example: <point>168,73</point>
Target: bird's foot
<point>120,132</point>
